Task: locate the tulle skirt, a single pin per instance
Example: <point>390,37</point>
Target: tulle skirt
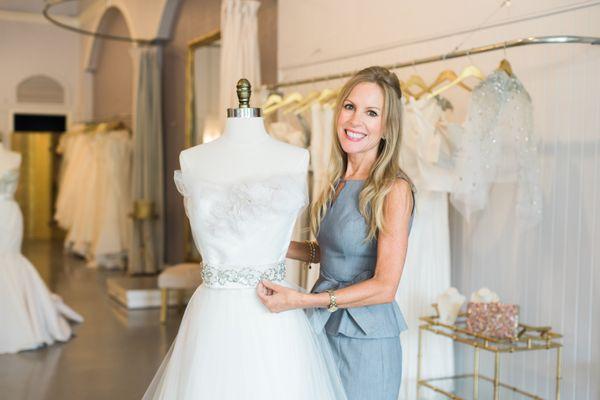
<point>229,346</point>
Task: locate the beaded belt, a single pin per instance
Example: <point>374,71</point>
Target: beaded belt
<point>219,276</point>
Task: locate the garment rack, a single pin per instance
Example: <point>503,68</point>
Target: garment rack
<point>113,118</point>
<point>455,54</point>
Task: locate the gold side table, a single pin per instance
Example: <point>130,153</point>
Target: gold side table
<point>529,338</point>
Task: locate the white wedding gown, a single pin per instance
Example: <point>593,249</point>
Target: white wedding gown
<point>30,315</point>
<point>229,346</point>
<point>426,156</point>
<point>93,202</point>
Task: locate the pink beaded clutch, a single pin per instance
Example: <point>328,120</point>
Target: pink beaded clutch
<point>495,320</point>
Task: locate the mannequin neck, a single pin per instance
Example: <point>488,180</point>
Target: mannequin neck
<point>245,130</point>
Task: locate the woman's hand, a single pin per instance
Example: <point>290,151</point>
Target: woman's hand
<point>278,298</point>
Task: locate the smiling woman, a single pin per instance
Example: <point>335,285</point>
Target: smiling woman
<point>369,129</point>
<point>359,117</point>
<point>362,221</point>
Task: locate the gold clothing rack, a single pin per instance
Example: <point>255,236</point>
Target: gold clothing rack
<point>455,54</point>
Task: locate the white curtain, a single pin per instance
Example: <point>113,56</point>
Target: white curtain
<point>146,252</point>
<point>239,49</point>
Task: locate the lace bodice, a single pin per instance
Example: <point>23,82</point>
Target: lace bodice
<point>242,229</point>
<point>8,184</point>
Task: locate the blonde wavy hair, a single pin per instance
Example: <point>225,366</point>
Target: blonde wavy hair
<point>386,168</point>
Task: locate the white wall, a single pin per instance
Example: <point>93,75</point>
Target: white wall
<point>32,47</point>
<point>145,20</point>
<point>557,266</point>
<point>206,93</point>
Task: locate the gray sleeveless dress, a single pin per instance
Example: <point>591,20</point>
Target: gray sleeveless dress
<point>365,340</point>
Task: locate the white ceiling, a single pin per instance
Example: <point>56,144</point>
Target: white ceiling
<point>70,8</point>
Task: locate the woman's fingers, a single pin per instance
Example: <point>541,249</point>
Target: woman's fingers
<point>261,291</point>
<point>264,296</point>
<point>272,286</point>
<point>273,296</point>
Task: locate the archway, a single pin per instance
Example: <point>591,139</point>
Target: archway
<point>113,74</point>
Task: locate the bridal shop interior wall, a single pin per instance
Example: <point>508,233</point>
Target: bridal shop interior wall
<point>113,77</point>
<point>96,73</point>
<point>193,20</point>
<point>552,270</point>
<point>31,47</point>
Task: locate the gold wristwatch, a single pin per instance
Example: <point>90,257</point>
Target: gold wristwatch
<point>332,302</point>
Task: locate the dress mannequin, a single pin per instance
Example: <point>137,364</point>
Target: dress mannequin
<point>244,151</point>
<point>242,194</point>
<point>31,315</point>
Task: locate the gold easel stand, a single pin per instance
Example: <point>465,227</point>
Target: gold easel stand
<point>143,213</point>
<point>529,338</point>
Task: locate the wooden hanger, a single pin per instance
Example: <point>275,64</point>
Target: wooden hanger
<point>406,91</point>
<point>273,99</point>
<point>506,67</point>
<point>287,101</point>
<point>447,75</point>
<point>416,80</point>
<point>326,95</point>
<point>329,96</point>
<point>299,107</point>
<point>468,72</point>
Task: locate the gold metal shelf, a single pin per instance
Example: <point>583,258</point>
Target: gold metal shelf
<point>529,338</point>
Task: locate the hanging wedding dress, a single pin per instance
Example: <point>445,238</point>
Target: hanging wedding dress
<point>498,195</point>
<point>111,234</point>
<point>426,156</point>
<point>321,142</point>
<point>229,345</point>
<point>74,147</point>
<point>30,315</point>
<point>81,231</point>
<point>94,201</point>
<point>498,147</point>
<point>321,136</point>
<point>285,132</point>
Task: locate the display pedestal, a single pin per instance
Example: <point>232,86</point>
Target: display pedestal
<point>135,292</point>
